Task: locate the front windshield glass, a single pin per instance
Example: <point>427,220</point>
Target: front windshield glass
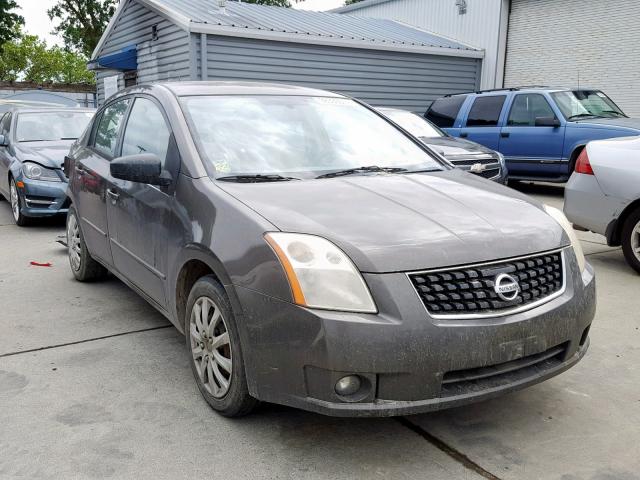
<point>297,136</point>
<point>586,103</point>
<point>51,126</point>
<point>415,125</point>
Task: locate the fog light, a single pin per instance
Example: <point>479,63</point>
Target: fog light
<point>348,385</point>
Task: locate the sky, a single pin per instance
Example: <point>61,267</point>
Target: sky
<point>37,22</point>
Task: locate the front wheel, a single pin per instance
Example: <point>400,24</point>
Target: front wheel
<point>214,350</point>
<point>16,205</point>
<point>631,240</point>
<point>83,266</point>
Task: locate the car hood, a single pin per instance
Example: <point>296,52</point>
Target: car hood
<point>391,223</point>
<point>622,122</point>
<point>47,154</point>
<point>452,148</point>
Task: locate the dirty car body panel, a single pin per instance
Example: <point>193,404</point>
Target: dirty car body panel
<point>398,228</point>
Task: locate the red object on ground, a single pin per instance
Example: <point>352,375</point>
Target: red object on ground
<point>36,264</point>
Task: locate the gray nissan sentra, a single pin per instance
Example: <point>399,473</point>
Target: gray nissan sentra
<point>317,256</point>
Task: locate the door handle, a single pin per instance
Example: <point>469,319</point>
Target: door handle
<point>114,196</point>
<point>464,135</point>
<point>504,134</point>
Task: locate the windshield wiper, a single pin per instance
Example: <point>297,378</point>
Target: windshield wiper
<point>353,171</point>
<point>582,115</point>
<point>615,113</point>
<point>255,178</point>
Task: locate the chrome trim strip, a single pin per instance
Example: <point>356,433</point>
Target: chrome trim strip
<point>502,313</point>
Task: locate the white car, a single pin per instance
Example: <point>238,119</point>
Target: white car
<point>603,194</point>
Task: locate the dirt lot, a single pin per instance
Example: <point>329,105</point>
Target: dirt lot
<point>95,384</point>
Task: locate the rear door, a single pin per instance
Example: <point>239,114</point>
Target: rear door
<point>139,214</point>
<point>90,178</point>
<point>482,124</point>
<point>532,150</point>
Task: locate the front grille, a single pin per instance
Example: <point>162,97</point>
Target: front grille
<point>475,380</point>
<point>471,290</point>
<point>491,166</point>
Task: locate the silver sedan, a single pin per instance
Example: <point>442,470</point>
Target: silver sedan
<point>603,194</point>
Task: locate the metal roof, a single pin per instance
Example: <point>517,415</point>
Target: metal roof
<point>288,24</point>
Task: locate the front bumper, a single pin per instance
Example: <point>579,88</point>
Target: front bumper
<point>408,362</point>
<point>43,199</point>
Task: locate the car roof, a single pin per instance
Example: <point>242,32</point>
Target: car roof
<point>525,89</point>
<point>238,88</point>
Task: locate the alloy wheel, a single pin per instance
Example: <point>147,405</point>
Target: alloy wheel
<point>211,347</point>
<point>15,201</point>
<point>73,243</point>
<point>635,241</point>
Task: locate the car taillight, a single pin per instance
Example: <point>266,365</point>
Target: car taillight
<point>582,164</point>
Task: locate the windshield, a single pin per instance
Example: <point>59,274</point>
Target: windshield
<point>586,103</point>
<point>415,125</point>
<point>51,126</point>
<point>297,136</point>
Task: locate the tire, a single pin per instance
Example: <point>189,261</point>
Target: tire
<point>83,266</point>
<point>225,391</point>
<point>631,239</point>
<point>16,204</point>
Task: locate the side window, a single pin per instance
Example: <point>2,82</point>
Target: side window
<point>485,111</point>
<point>443,112</point>
<point>526,108</point>
<point>146,130</point>
<point>106,136</point>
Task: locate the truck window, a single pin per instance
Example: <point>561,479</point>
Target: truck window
<point>443,111</point>
<point>485,111</point>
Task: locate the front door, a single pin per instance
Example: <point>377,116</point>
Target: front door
<point>89,180</point>
<point>532,150</point>
<point>483,120</point>
<point>138,214</point>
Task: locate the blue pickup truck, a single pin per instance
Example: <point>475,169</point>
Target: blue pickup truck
<point>539,130</point>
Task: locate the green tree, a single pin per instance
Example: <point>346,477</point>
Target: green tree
<point>274,3</point>
<point>10,22</point>
<point>351,2</point>
<point>82,22</point>
<point>30,59</point>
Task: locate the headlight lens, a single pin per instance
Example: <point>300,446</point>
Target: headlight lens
<point>320,274</point>
<point>566,225</point>
<point>35,171</point>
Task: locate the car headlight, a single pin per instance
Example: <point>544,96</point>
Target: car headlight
<point>559,217</point>
<point>320,274</point>
<point>35,171</point>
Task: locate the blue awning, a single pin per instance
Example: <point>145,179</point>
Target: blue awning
<point>125,59</point>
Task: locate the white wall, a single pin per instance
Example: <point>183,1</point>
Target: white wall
<point>483,26</point>
<point>559,43</point>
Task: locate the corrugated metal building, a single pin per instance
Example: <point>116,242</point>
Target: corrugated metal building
<point>382,62</point>
<point>479,23</point>
<point>568,43</point>
<point>577,43</point>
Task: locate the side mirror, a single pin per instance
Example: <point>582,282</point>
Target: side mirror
<point>547,122</point>
<point>3,141</point>
<point>143,168</point>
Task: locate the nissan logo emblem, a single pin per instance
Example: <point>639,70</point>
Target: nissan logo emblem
<point>506,287</point>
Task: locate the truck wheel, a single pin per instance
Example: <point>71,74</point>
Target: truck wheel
<point>83,266</point>
<point>631,240</point>
<point>214,350</point>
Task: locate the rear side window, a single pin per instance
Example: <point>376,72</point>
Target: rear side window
<point>106,139</point>
<point>443,112</point>
<point>146,131</point>
<point>485,111</point>
<point>526,108</point>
